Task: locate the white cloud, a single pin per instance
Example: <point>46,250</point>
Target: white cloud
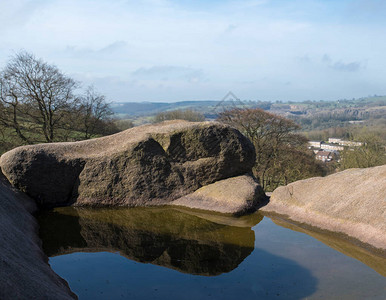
<point>160,47</point>
<point>167,73</point>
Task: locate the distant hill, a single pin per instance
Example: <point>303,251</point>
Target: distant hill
<point>311,115</point>
<point>150,108</point>
<point>207,107</point>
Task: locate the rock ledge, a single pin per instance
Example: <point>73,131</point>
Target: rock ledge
<point>351,202</point>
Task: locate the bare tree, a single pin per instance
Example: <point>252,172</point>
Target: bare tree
<point>38,103</point>
<point>38,91</point>
<point>96,113</point>
<point>10,108</point>
<point>281,153</point>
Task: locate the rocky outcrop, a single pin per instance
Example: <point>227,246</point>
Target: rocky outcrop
<point>146,165</point>
<point>235,195</point>
<point>352,202</point>
<point>24,271</point>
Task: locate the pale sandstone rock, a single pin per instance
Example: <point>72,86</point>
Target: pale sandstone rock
<point>234,195</point>
<point>351,202</point>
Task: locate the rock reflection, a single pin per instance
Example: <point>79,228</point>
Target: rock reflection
<point>186,240</point>
<point>374,258</point>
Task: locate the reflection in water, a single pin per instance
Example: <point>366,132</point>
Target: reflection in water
<point>371,257</point>
<point>188,241</point>
<point>284,265</point>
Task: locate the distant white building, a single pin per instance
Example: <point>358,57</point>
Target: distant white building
<point>314,144</point>
<point>334,140</point>
<point>351,143</point>
<point>331,147</point>
<point>344,143</point>
<point>334,144</point>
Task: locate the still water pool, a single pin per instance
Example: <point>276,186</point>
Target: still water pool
<point>169,253</point>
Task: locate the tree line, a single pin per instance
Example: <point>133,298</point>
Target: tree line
<point>372,152</point>
<point>187,115</point>
<point>39,103</point>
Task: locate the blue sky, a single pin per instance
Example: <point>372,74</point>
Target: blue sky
<point>169,50</point>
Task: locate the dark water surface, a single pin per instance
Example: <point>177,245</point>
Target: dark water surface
<point>169,253</point>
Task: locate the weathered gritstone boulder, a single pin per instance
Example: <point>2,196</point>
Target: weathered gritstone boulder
<point>146,165</point>
<point>235,195</point>
<point>351,202</point>
<point>24,271</point>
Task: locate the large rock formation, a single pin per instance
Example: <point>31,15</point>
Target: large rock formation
<point>146,165</point>
<point>24,271</point>
<point>352,202</point>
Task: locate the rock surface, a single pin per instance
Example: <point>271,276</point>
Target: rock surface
<point>235,195</point>
<point>352,202</point>
<point>146,165</point>
<point>24,271</point>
